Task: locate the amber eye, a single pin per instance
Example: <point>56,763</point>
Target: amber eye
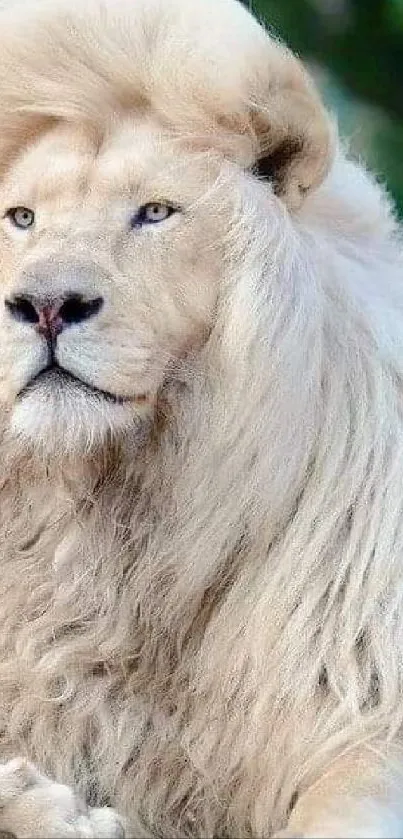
<point>21,217</point>
<point>152,213</point>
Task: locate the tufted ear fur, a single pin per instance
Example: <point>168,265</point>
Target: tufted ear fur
<point>228,80</point>
<point>295,137</point>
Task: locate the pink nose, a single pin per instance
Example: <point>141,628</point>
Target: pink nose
<point>50,323</point>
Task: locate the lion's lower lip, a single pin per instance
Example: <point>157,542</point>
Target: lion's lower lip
<point>58,376</point>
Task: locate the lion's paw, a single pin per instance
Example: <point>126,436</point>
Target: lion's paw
<point>33,807</point>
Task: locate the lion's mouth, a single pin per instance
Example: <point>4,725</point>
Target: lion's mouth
<point>55,376</point>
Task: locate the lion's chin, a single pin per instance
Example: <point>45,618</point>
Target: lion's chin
<point>72,421</point>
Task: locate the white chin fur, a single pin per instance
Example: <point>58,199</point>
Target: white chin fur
<point>71,422</point>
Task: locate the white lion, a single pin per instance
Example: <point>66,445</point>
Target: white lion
<point>201,442</point>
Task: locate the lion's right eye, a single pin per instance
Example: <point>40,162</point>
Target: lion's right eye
<point>21,217</point>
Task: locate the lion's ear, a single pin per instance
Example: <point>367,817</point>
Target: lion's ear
<point>294,133</point>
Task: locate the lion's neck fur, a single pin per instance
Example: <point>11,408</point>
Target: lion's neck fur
<point>257,530</point>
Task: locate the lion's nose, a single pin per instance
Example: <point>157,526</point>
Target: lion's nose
<point>50,316</point>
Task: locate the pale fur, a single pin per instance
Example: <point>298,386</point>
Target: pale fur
<point>201,590</point>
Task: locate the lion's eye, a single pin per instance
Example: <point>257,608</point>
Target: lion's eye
<point>21,217</point>
<point>152,213</point>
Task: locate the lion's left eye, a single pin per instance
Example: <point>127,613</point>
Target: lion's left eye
<point>152,213</point>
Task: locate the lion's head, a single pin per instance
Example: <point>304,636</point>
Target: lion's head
<point>110,273</point>
<point>131,138</point>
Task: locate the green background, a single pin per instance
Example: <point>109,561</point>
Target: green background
<point>355,49</point>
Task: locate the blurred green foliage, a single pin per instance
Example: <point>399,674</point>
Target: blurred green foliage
<point>356,49</point>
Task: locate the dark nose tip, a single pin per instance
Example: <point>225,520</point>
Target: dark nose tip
<point>51,316</point>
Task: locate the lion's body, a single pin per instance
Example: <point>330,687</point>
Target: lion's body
<point>200,617</point>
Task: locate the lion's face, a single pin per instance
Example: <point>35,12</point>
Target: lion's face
<point>111,256</point>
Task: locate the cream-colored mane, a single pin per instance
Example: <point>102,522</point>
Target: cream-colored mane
<point>201,614</point>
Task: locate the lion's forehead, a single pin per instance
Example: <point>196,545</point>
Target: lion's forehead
<point>136,160</point>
